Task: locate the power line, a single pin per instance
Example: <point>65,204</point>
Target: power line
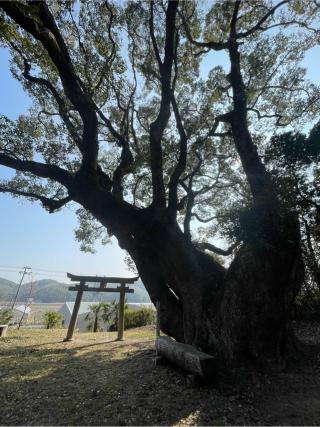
<point>10,271</point>
<point>49,271</point>
<point>15,267</point>
<point>35,272</point>
<point>10,266</point>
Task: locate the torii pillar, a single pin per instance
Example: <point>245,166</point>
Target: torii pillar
<point>75,312</point>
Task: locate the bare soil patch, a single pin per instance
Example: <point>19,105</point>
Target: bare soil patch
<point>95,380</point>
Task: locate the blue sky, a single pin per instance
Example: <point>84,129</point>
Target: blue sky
<point>30,236</point>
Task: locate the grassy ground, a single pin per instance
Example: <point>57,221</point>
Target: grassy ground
<point>95,380</point>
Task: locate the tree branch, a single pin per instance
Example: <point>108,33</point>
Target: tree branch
<point>153,38</point>
<point>216,250</point>
<point>182,161</point>
<point>112,54</point>
<point>269,116</point>
<point>39,169</point>
<point>234,19</point>
<point>259,180</point>
<point>208,188</point>
<point>204,220</point>
<point>46,31</point>
<point>158,126</point>
<point>190,197</point>
<point>258,27</point>
<point>63,109</point>
<point>126,155</point>
<point>208,45</point>
<point>51,204</point>
<point>292,22</point>
<point>222,118</point>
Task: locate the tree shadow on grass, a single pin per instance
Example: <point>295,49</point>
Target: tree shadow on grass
<point>108,383</point>
<point>106,386</point>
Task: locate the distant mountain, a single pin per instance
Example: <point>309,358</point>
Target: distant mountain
<point>49,291</point>
<point>7,289</point>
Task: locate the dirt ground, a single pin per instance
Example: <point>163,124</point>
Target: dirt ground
<point>95,380</point>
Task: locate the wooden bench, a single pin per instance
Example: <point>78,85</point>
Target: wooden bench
<point>187,357</point>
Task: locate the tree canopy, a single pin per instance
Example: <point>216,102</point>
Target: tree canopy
<point>128,82</point>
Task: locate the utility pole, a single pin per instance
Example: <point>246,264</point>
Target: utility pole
<point>17,293</point>
<point>27,303</point>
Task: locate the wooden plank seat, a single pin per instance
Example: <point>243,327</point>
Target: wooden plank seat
<point>187,357</point>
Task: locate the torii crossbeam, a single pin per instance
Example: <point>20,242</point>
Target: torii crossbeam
<point>103,282</point>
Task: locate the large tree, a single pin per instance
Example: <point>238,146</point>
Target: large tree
<point>134,121</point>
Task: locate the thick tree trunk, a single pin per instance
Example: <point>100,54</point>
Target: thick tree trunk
<point>239,314</point>
<point>260,287</point>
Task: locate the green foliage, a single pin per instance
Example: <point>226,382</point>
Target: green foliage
<point>6,316</point>
<point>294,148</point>
<point>103,312</point>
<point>89,230</point>
<point>307,303</point>
<point>137,318</point>
<point>293,160</point>
<point>52,319</point>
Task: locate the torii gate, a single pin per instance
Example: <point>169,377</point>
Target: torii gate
<point>103,281</point>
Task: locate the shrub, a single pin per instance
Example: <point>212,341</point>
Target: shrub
<point>5,316</point>
<point>137,318</point>
<point>103,312</point>
<point>307,304</point>
<point>52,319</point>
